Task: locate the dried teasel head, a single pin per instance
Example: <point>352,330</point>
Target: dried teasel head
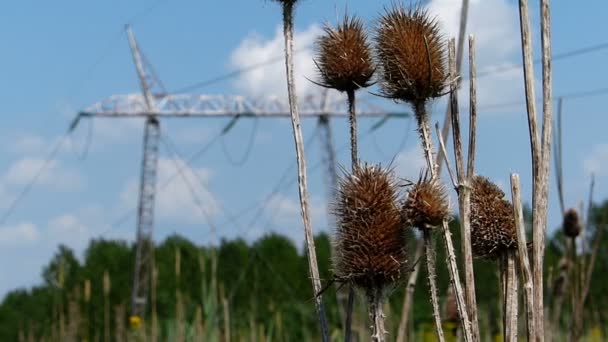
<point>492,223</point>
<point>572,223</point>
<point>370,243</point>
<point>410,55</point>
<point>426,205</point>
<point>344,56</point>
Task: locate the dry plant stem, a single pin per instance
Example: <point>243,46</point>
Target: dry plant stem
<point>464,181</point>
<point>509,278</point>
<point>456,285</point>
<point>524,261</point>
<point>429,250</point>
<point>445,156</point>
<point>352,118</point>
<point>409,293</point>
<point>302,186</point>
<point>540,228</point>
<point>558,158</point>
<point>447,236</point>
<point>540,154</point>
<point>595,251</point>
<point>375,297</point>
<point>423,130</point>
<point>348,325</point>
<point>430,257</point>
<point>464,11</point>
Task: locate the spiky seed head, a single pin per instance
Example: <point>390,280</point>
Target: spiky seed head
<point>344,56</point>
<point>410,55</point>
<point>426,205</point>
<point>492,223</point>
<point>572,223</point>
<point>370,242</point>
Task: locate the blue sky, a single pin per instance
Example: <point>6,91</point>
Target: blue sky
<point>63,56</point>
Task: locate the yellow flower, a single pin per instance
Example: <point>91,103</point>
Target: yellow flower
<point>135,322</point>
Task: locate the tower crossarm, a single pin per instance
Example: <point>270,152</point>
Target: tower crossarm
<point>186,105</point>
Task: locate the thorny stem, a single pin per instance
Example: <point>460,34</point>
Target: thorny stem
<point>375,298</point>
<point>288,8</point>
<point>429,251</point>
<point>352,119</point>
<point>423,129</point>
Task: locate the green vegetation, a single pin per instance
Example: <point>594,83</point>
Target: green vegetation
<point>264,285</point>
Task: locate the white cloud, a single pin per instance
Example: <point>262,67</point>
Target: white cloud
<point>270,79</point>
<point>495,25</point>
<point>55,174</point>
<point>409,163</point>
<point>19,234</point>
<point>597,161</point>
<point>177,201</point>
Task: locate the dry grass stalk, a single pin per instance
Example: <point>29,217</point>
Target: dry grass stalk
<point>370,244</point>
<point>540,153</point>
<point>106,304</point>
<point>119,323</point>
<point>226,309</point>
<point>153,296</point>
<point>464,12</point>
<point>509,279</point>
<point>465,179</point>
<point>409,293</point>
<point>524,261</point>
<point>288,13</point>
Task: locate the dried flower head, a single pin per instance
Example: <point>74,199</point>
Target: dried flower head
<point>492,223</point>
<point>572,223</point>
<point>410,54</point>
<point>370,242</point>
<point>344,56</point>
<point>426,205</point>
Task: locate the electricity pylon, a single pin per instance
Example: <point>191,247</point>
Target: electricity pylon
<point>153,106</point>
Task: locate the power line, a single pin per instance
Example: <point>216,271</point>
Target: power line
<point>197,201</point>
<point>29,186</point>
<point>124,217</point>
<point>555,57</point>
<point>276,59</point>
<point>235,73</point>
<point>571,95</point>
<point>243,159</point>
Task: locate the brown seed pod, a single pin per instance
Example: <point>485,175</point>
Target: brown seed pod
<point>410,55</point>
<point>344,56</point>
<point>572,223</point>
<point>370,242</point>
<point>492,223</point>
<point>426,205</point>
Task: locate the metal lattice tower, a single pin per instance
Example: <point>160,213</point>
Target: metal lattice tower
<point>144,253</point>
<point>152,107</point>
